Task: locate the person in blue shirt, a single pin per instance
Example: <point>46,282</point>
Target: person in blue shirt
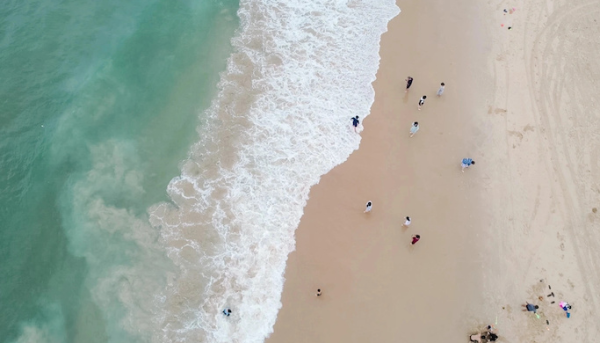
<point>414,128</point>
<point>466,163</point>
<point>530,307</point>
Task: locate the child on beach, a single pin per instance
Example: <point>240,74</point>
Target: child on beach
<point>441,90</point>
<point>409,81</point>
<point>355,122</point>
<point>466,163</point>
<point>414,128</point>
<point>406,222</point>
<point>415,239</point>
<point>422,101</point>
<point>565,306</point>
<point>369,207</point>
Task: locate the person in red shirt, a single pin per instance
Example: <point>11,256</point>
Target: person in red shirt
<point>415,239</point>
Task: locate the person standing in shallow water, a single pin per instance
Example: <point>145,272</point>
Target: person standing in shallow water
<point>422,101</point>
<point>355,122</point>
<point>441,90</point>
<point>414,128</point>
<point>409,81</point>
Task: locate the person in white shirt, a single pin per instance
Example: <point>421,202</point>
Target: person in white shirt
<point>369,207</point>
<point>441,90</point>
<point>407,222</point>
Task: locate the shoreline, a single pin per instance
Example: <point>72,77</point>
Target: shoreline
<point>372,279</point>
<point>489,236</point>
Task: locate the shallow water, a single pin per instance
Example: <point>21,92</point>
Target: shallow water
<point>109,104</point>
<point>100,103</point>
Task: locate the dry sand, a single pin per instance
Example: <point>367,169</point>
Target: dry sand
<point>519,102</point>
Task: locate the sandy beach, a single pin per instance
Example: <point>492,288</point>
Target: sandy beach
<point>518,226</point>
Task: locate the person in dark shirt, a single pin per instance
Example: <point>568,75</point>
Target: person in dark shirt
<point>409,81</point>
<point>530,307</point>
<point>492,337</point>
<point>355,122</point>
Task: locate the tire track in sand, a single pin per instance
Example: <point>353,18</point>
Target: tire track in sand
<point>561,83</point>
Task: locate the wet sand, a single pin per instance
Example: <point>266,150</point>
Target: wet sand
<point>519,102</point>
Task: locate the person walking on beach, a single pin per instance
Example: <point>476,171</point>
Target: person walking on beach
<point>530,307</point>
<point>406,222</point>
<point>466,163</point>
<point>441,90</point>
<point>414,128</point>
<point>355,122</point>
<point>319,292</point>
<point>409,81</point>
<point>369,207</point>
<point>415,239</point>
<point>422,101</point>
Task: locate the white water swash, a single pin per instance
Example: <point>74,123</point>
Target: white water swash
<point>281,119</point>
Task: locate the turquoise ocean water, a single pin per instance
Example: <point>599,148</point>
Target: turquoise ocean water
<point>99,103</point>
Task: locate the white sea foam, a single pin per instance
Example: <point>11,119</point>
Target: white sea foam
<point>300,71</point>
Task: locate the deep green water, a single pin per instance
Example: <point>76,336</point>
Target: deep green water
<point>99,101</point>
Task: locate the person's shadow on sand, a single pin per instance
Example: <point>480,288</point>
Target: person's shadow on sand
<point>405,99</point>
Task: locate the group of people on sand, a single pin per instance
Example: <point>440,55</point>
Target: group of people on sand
<point>407,222</point>
<point>465,163</point>
<point>414,128</point>
<point>527,307</point>
<point>486,336</point>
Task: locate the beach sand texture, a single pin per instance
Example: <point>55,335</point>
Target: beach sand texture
<point>521,103</point>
